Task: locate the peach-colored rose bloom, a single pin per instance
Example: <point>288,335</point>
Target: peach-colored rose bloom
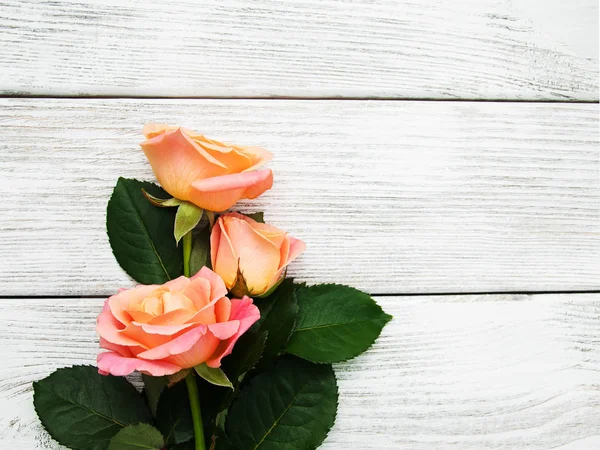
<point>208,173</point>
<point>260,251</point>
<point>159,330</point>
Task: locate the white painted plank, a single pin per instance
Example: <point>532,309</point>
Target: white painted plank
<point>528,49</point>
<point>467,372</point>
<point>391,197</point>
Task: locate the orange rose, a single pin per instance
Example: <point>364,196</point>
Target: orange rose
<point>207,173</point>
<point>251,257</point>
<point>159,330</point>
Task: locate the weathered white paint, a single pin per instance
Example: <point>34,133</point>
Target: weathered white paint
<point>391,197</point>
<point>526,49</point>
<point>469,372</point>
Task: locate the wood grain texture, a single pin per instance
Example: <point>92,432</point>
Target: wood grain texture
<point>390,197</point>
<point>467,372</point>
<point>469,49</point>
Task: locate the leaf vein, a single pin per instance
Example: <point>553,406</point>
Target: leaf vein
<point>281,415</point>
<point>139,217</point>
<point>110,419</point>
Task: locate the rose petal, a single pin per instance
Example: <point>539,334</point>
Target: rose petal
<point>284,252</point>
<point>117,311</point>
<point>127,299</point>
<point>224,330</point>
<point>258,155</point>
<point>224,259</point>
<point>153,306</point>
<point>213,144</point>
<point>206,315</point>
<point>176,285</point>
<point>199,291</point>
<point>146,340</point>
<point>231,157</point>
<point>247,313</point>
<point>222,192</point>
<point>175,317</point>
<point>203,349</point>
<point>223,310</point>
<point>258,257</point>
<point>176,346</point>
<point>177,161</point>
<point>140,316</point>
<point>165,330</point>
<point>110,328</point>
<point>151,130</point>
<point>218,288</point>
<point>264,184</point>
<point>173,301</point>
<point>272,233</point>
<point>296,247</point>
<point>115,364</point>
<point>120,349</point>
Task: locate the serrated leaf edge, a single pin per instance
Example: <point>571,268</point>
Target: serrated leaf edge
<point>337,402</point>
<point>385,317</point>
<point>44,423</point>
<point>352,356</point>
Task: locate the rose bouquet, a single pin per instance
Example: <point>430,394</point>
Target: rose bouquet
<point>232,354</point>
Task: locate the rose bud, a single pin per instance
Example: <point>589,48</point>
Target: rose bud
<point>205,172</point>
<point>159,330</point>
<point>251,257</point>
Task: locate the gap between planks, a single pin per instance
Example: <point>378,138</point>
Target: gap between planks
<point>18,95</point>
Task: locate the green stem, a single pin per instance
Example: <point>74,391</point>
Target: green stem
<point>190,381</point>
<point>187,252</point>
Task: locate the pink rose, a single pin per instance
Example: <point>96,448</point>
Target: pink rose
<point>159,330</point>
<point>208,173</point>
<point>256,251</point>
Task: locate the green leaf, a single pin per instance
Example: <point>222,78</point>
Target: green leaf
<point>200,250</point>
<point>174,416</point>
<point>162,203</point>
<point>335,323</point>
<point>153,387</point>
<point>189,445</point>
<point>188,216</point>
<point>277,317</point>
<point>258,216</point>
<point>138,232</point>
<point>136,437</point>
<point>290,407</point>
<point>82,409</point>
<point>213,376</point>
<point>246,353</point>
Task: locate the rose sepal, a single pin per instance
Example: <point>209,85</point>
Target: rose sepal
<point>187,217</point>
<point>160,202</point>
<point>214,375</point>
<point>240,286</point>
<point>177,377</point>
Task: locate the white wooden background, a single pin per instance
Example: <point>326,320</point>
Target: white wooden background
<point>444,156</point>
